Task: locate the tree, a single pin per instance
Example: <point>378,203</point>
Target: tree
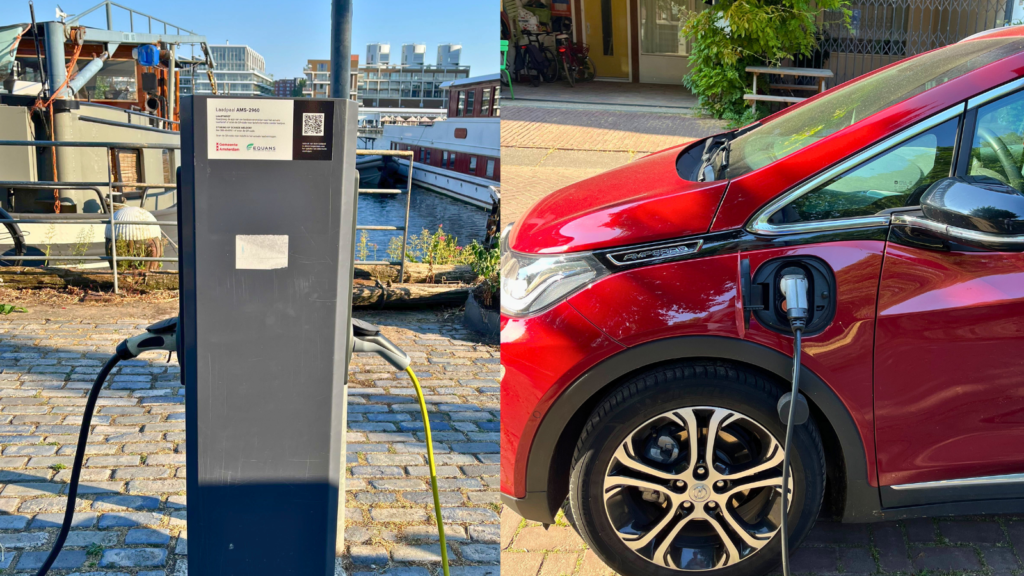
<point>733,34</point>
<point>299,86</point>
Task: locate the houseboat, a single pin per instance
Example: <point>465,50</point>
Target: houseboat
<point>72,84</point>
<point>458,157</point>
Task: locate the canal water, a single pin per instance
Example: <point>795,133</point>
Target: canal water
<point>427,211</point>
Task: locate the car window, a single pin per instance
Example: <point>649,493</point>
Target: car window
<point>999,141</point>
<point>854,101</point>
<point>893,179</point>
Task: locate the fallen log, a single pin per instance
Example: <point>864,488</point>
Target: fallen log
<point>408,295</point>
<point>100,280</point>
<point>416,273</point>
<point>95,279</point>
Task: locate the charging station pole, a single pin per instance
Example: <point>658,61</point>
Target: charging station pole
<point>267,199</point>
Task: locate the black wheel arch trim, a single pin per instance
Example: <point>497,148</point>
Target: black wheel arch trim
<point>546,488</point>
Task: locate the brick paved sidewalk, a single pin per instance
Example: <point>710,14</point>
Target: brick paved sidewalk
<point>990,545</point>
<point>544,149</point>
<point>132,504</point>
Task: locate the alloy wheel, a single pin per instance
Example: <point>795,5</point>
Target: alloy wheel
<point>696,488</point>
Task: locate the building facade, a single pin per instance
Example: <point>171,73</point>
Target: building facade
<point>414,54</point>
<point>378,54</point>
<point>449,54</point>
<point>318,78</point>
<point>283,88</point>
<point>239,71</point>
<point>640,40</point>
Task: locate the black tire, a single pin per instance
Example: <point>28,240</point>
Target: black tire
<point>570,72</point>
<point>679,387</point>
<point>17,237</point>
<point>549,66</point>
<point>587,70</point>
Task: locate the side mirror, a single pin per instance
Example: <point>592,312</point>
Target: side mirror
<point>980,213</point>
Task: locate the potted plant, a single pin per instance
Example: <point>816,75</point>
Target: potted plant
<point>482,313</point>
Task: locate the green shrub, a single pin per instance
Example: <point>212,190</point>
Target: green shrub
<point>733,34</point>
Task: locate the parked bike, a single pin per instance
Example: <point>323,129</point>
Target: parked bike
<point>576,65</point>
<point>543,56</point>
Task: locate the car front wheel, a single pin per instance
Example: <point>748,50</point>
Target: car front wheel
<point>680,469</point>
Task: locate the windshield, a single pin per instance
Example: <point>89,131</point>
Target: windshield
<point>840,108</point>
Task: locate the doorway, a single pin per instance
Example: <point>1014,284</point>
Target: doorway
<point>606,30</point>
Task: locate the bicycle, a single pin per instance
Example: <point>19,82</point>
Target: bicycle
<point>570,66</point>
<point>549,67</point>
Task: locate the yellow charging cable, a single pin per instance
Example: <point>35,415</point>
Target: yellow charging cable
<point>433,470</point>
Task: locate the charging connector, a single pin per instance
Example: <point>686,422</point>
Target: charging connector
<point>794,287</point>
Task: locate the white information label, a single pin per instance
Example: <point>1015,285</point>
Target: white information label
<point>261,252</point>
<point>249,129</point>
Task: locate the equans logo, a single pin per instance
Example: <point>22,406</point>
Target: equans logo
<point>254,148</point>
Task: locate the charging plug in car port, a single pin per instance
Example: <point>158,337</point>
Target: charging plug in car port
<point>763,299</point>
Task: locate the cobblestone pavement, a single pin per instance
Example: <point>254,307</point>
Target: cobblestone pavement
<point>544,149</point>
<point>991,545</point>
<point>131,510</point>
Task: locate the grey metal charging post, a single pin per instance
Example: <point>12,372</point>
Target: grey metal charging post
<point>267,205</point>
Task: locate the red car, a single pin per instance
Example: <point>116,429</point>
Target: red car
<point>645,341</point>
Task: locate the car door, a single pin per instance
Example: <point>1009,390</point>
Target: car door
<point>949,345</point>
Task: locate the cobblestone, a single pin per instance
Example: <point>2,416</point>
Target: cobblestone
<point>974,546</point>
<point>132,502</point>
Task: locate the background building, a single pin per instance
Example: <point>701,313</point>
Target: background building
<point>378,54</point>
<point>405,85</point>
<point>449,54</point>
<point>239,71</point>
<point>318,78</point>
<point>283,88</point>
<point>413,54</point>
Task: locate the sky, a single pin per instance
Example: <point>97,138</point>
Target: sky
<point>289,32</point>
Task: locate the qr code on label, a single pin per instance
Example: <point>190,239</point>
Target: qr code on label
<point>312,124</point>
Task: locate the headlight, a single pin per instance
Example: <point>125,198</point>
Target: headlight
<point>530,283</point>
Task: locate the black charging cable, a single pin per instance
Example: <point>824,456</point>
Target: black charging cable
<point>794,287</point>
<point>159,336</point>
<point>76,468</point>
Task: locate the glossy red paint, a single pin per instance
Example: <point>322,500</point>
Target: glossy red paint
<point>753,190</point>
<point>701,297</point>
<point>949,364</point>
<point>643,201</point>
<point>680,298</point>
<point>541,355</point>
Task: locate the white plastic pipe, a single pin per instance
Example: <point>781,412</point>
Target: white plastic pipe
<point>86,74</point>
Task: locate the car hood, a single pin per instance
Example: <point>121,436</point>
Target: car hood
<point>643,201</point>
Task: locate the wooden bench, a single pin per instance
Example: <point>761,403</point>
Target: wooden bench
<point>821,74</point>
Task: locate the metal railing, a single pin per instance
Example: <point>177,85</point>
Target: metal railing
<point>106,204</point>
<point>408,203</point>
<point>131,18</point>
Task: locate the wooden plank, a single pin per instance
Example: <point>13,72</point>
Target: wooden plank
<point>811,88</point>
<point>768,98</point>
<point>816,72</point>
